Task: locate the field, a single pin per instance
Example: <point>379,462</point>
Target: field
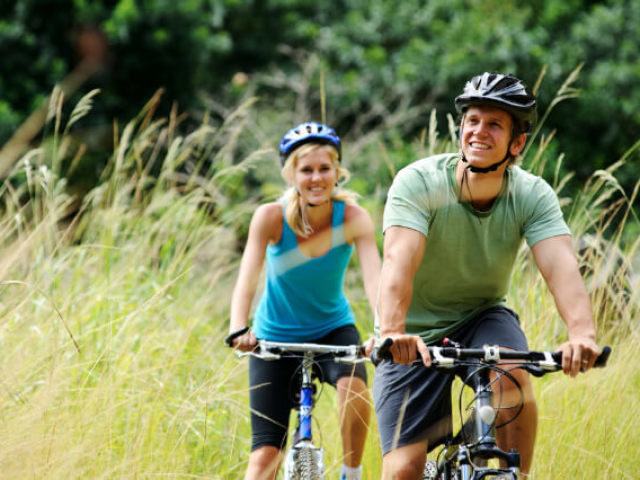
<point>112,318</point>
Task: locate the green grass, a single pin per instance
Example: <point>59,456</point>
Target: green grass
<point>111,323</point>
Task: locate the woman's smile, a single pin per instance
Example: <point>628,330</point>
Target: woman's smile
<point>315,177</point>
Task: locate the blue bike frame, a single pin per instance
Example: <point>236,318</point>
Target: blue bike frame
<point>306,400</point>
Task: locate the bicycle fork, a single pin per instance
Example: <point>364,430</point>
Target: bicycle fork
<point>304,460</point>
<point>475,444</point>
<point>484,445</point>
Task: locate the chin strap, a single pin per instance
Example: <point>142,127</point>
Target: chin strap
<point>303,212</point>
<point>490,168</point>
<point>311,205</point>
<point>465,180</point>
<point>462,182</point>
<point>474,169</point>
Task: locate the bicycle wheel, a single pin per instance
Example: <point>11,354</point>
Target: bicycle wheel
<point>304,462</point>
<point>430,471</point>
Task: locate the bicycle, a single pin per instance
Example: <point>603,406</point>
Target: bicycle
<point>303,460</point>
<point>466,455</point>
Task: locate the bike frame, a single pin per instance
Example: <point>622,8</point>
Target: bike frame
<point>471,458</point>
<point>304,460</point>
<point>466,460</point>
<point>306,398</point>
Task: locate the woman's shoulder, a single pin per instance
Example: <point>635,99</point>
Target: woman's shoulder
<point>353,210</point>
<point>357,221</point>
<point>269,210</point>
<point>268,219</point>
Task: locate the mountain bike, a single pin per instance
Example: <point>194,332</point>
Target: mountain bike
<point>304,459</point>
<point>467,455</point>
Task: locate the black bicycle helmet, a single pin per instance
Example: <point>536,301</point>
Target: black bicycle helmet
<point>503,91</point>
<point>305,133</point>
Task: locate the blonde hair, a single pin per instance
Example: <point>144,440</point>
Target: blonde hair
<point>295,210</point>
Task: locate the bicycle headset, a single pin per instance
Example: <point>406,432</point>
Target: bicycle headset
<point>306,133</point>
<point>501,91</point>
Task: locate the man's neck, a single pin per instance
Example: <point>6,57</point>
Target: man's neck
<point>480,190</point>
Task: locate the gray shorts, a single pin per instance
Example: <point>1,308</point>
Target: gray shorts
<point>421,397</point>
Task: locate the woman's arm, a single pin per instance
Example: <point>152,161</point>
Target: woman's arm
<point>265,227</point>
<point>359,230</point>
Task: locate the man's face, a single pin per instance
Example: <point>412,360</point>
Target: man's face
<point>486,134</point>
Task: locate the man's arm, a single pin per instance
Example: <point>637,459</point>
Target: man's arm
<point>403,251</point>
<point>557,262</point>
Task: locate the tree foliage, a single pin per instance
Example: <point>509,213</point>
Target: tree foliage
<point>364,64</point>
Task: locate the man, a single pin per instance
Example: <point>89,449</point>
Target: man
<point>453,225</point>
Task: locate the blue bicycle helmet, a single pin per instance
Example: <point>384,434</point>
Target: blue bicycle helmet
<point>502,91</point>
<point>305,133</point>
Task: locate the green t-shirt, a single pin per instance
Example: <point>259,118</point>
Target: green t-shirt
<point>468,254</point>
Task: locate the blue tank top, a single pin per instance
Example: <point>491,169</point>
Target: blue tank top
<point>303,298</point>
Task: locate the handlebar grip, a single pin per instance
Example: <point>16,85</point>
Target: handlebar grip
<point>601,361</point>
<point>382,352</point>
<point>228,340</point>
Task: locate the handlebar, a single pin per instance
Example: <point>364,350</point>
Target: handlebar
<point>268,350</point>
<point>537,362</point>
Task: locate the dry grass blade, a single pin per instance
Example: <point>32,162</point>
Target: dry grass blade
<point>82,108</point>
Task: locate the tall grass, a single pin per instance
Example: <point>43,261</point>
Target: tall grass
<point>112,313</point>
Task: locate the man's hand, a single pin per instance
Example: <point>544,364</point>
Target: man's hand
<point>578,355</point>
<point>406,348</point>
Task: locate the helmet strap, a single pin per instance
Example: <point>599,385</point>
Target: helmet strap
<point>490,168</point>
<point>311,205</point>
<point>303,214</point>
<point>464,177</point>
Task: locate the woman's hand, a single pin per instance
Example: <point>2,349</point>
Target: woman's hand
<point>241,339</point>
<point>246,342</point>
<point>369,345</point>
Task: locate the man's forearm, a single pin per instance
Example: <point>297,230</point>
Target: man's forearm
<point>403,250</point>
<point>395,297</point>
<point>557,263</point>
<point>574,306</point>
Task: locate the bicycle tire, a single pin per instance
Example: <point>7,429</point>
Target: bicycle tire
<point>304,461</point>
<point>430,471</point>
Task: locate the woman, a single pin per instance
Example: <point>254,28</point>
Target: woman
<point>307,238</point>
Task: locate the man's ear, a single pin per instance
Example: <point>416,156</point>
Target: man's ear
<point>517,144</point>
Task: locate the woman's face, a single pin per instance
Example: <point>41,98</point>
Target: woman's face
<point>315,177</point>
